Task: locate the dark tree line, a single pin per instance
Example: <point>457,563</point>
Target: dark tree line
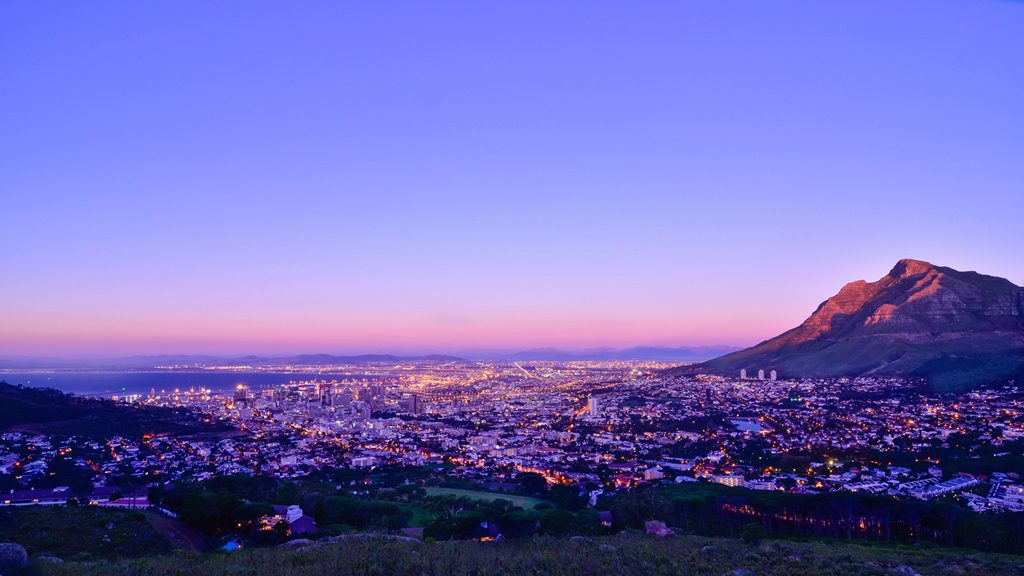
<point>719,511</point>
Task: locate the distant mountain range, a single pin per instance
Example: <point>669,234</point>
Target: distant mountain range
<point>665,354</point>
<point>957,329</point>
<point>653,353</point>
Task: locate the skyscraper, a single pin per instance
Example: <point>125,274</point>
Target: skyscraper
<point>409,403</point>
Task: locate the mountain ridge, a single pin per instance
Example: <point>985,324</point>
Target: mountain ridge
<point>955,329</point>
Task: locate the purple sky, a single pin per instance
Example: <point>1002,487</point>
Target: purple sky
<point>439,176</point>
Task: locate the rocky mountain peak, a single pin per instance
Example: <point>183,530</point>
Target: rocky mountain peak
<point>918,320</point>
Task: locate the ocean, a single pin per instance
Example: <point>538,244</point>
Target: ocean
<point>97,383</point>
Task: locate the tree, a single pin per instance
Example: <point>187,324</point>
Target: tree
<point>532,482</point>
<point>288,493</point>
<point>753,533</point>
<point>556,522</point>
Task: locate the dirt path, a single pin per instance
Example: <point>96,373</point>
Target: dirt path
<point>181,535</point>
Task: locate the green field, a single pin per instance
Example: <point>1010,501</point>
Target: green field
<point>524,502</point>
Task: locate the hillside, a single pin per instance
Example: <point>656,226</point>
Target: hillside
<point>49,411</point>
<point>956,329</point>
<point>625,555</point>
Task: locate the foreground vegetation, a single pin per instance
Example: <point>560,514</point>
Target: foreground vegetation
<point>383,501</point>
<point>624,554</point>
<point>81,532</point>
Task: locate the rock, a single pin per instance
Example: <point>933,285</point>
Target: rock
<point>709,549</point>
<point>48,560</point>
<point>582,540</point>
<point>657,528</point>
<point>927,313</point>
<point>606,548</point>
<point>740,572</point>
<point>905,571</point>
<point>13,557</point>
<point>297,543</point>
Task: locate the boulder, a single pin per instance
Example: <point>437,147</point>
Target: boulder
<point>13,557</point>
<point>657,528</point>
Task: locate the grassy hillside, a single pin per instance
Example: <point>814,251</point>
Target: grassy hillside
<point>624,555</point>
<point>83,533</point>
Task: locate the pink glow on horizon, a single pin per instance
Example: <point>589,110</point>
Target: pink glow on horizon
<point>86,336</point>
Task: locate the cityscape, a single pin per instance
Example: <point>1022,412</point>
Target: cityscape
<point>672,288</point>
<point>596,426</point>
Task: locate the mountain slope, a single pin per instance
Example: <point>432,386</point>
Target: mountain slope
<point>42,410</point>
<point>956,329</point>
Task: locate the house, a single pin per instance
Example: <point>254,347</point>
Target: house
<point>298,522</point>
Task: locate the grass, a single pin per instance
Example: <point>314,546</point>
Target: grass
<point>624,555</point>
<point>524,502</point>
<point>420,517</point>
<point>86,532</point>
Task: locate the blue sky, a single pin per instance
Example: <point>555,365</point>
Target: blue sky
<point>325,176</point>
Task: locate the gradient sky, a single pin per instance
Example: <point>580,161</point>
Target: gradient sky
<point>257,177</point>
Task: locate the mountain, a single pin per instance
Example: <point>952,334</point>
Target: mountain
<point>653,353</point>
<point>182,360</point>
<point>46,411</point>
<point>957,329</point>
<point>325,359</point>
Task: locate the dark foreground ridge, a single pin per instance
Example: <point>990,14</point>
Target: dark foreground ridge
<point>625,555</point>
<point>43,410</point>
<point>956,329</point>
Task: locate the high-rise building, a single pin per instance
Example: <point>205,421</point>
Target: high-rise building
<point>326,398</point>
<point>743,374</point>
<point>410,403</point>
<point>343,398</point>
<point>773,375</point>
<point>760,374</point>
<point>361,410</point>
<point>365,395</point>
<point>241,395</point>
<point>594,407</point>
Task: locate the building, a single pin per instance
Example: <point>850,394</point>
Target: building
<point>760,374</point>
<point>594,407</point>
<point>410,403</point>
<point>731,481</point>
<point>241,395</point>
<point>773,375</point>
<point>654,473</point>
<point>743,374</point>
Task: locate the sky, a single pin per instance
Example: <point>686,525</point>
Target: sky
<point>344,177</point>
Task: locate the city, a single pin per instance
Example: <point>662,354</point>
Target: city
<point>670,288</point>
<point>595,426</point>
